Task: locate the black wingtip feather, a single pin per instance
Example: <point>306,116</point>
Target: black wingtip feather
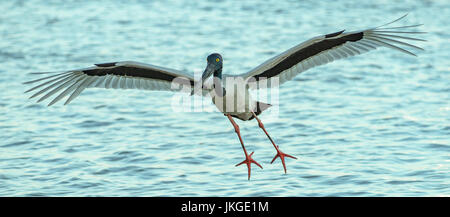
<point>106,64</point>
<point>334,34</point>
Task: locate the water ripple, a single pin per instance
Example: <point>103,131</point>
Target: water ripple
<point>372,125</point>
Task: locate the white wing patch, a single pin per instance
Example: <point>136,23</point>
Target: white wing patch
<point>390,37</point>
<point>72,83</point>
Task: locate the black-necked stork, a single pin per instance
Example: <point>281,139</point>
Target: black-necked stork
<point>313,52</point>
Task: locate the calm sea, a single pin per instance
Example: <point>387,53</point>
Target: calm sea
<point>373,125</point>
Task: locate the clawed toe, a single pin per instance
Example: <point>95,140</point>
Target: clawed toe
<point>282,155</point>
<point>249,160</point>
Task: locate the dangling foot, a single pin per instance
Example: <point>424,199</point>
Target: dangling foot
<point>249,160</point>
<point>281,155</point>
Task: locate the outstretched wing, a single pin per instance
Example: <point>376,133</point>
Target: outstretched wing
<point>123,75</point>
<point>327,48</point>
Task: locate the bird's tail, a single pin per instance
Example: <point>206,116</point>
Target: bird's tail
<point>260,107</point>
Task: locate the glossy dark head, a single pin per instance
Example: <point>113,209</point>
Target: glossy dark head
<point>214,66</point>
<point>214,58</point>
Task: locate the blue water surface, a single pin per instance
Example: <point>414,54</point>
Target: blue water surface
<point>377,124</point>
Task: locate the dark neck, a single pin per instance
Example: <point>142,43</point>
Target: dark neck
<point>217,80</point>
<point>218,73</point>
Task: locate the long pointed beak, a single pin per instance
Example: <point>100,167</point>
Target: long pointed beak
<point>209,70</point>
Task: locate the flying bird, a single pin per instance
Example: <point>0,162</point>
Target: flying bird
<point>283,67</point>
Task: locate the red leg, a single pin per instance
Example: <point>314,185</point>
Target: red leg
<point>279,154</point>
<point>248,158</point>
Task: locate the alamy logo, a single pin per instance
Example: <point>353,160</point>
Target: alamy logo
<point>230,95</point>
